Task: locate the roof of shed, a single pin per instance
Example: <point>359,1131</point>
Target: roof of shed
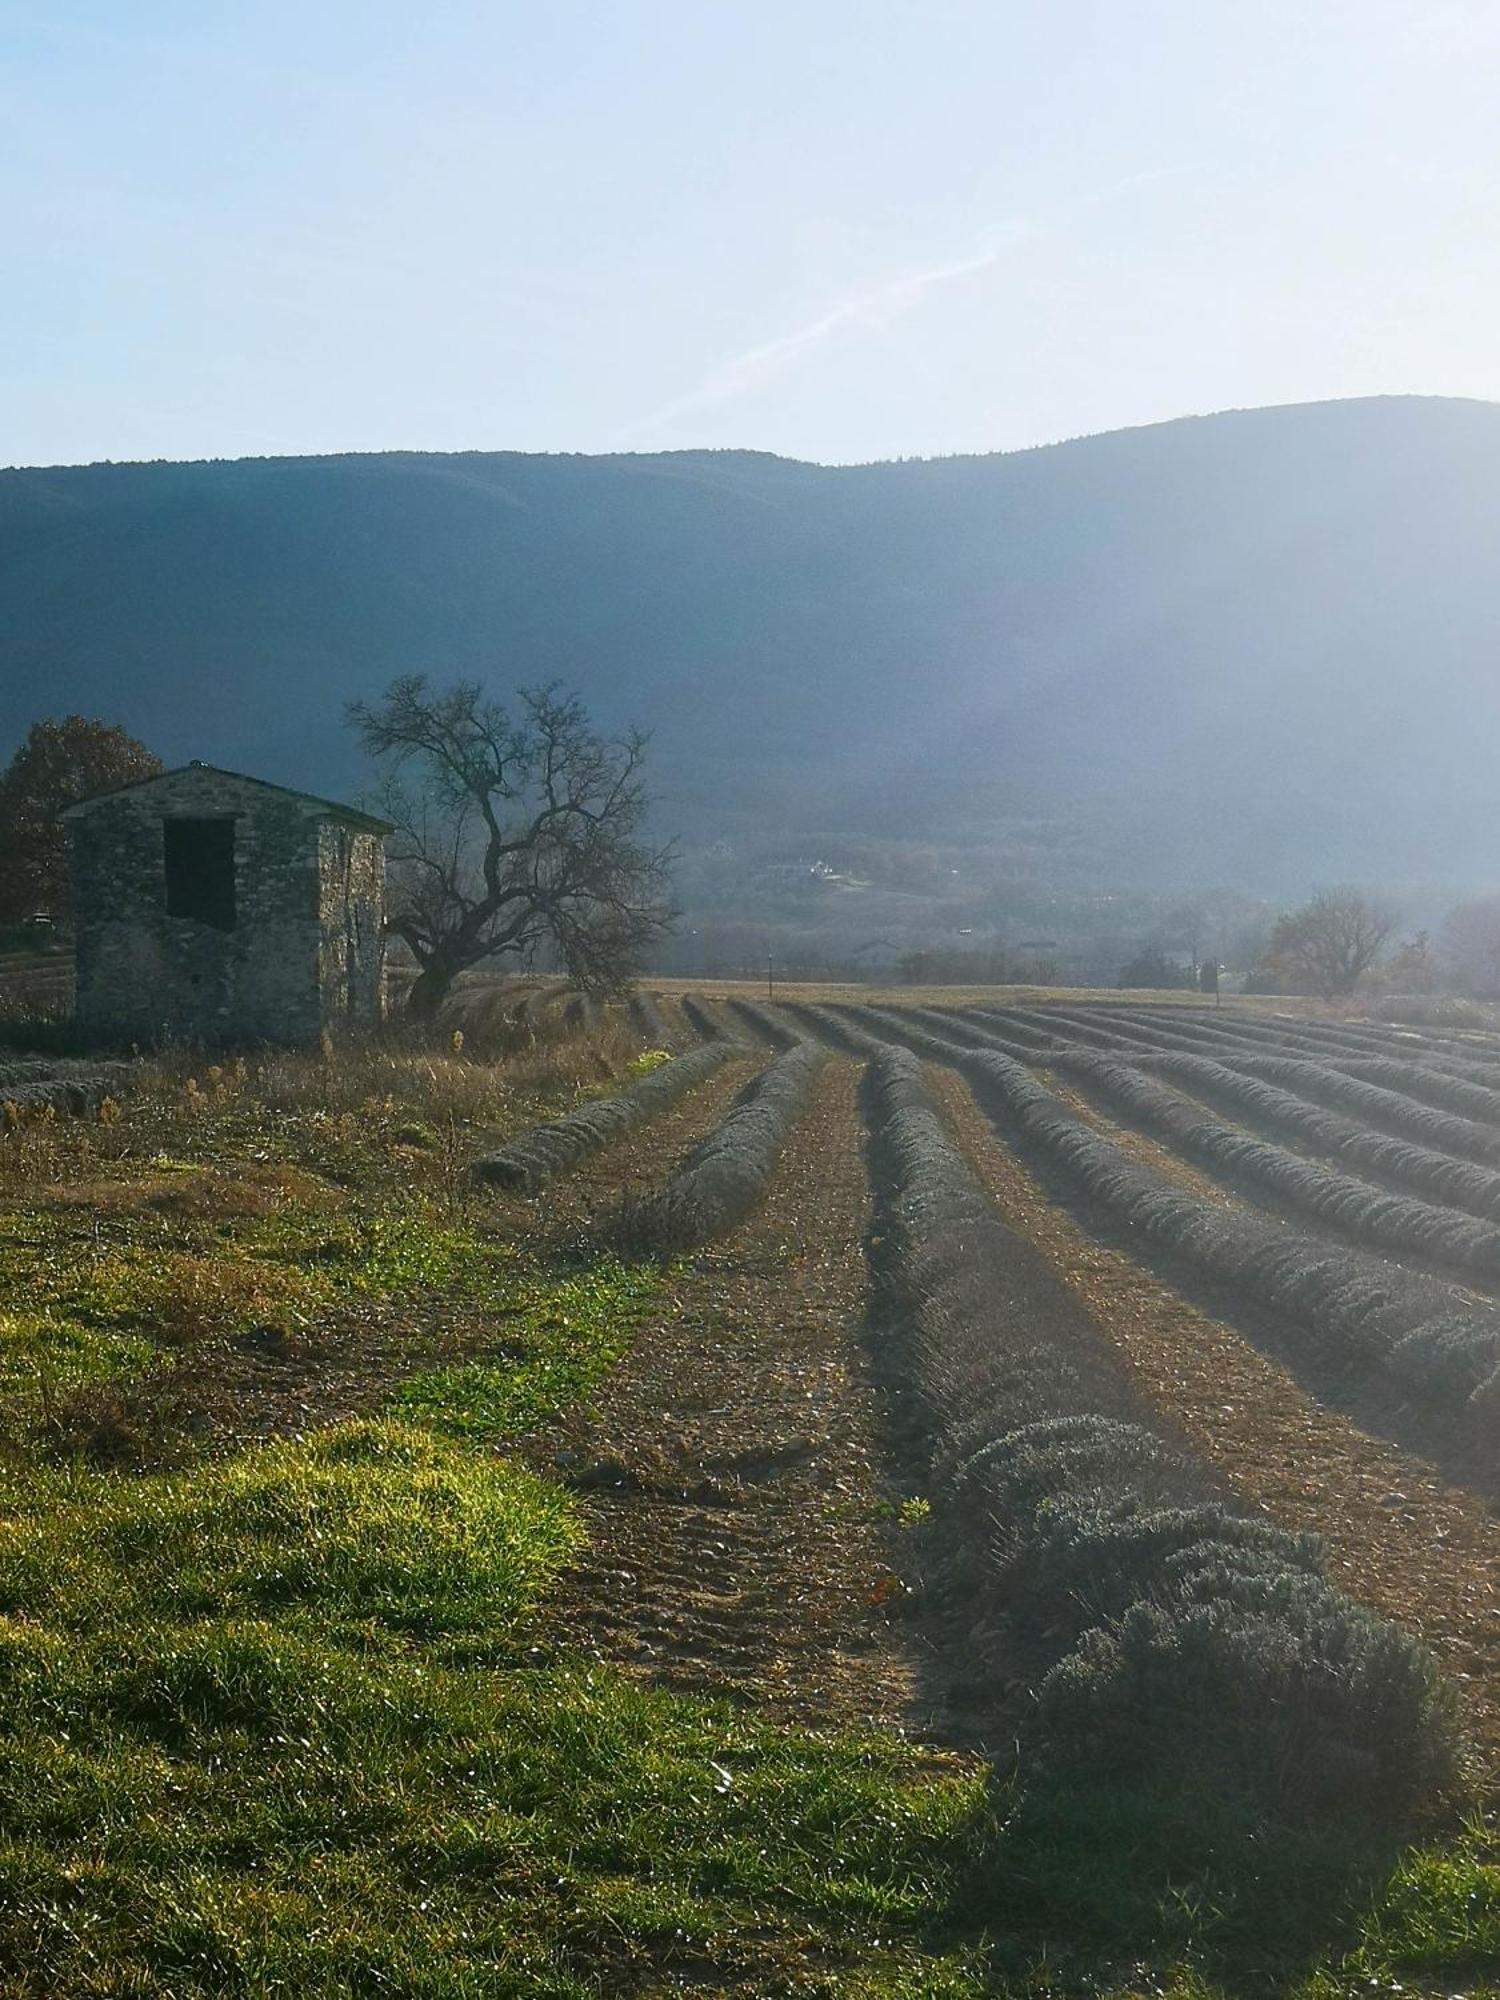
<point>326,808</point>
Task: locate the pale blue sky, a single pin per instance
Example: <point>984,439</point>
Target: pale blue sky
<point>838,229</point>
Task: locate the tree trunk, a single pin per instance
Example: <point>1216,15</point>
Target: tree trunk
<point>428,992</point>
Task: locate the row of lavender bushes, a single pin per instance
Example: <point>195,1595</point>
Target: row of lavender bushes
<point>1175,1637</point>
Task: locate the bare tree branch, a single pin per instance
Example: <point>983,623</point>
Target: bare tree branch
<point>1330,943</point>
<point>514,831</point>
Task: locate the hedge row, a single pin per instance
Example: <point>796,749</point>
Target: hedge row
<point>1387,1221</point>
<point>724,1178</point>
<point>1417,1169</point>
<point>76,1089</point>
<point>1176,1637</point>
<point>647,1020</point>
<point>1444,1131</point>
<point>1362,1310</point>
<point>536,1155</point>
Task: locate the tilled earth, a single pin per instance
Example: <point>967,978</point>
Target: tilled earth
<point>742,1518</point>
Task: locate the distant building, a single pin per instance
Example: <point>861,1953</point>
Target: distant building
<point>221,908</point>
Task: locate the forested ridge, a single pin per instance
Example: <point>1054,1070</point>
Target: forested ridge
<point>1257,647</point>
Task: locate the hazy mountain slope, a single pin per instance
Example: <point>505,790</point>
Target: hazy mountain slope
<point>1260,645</point>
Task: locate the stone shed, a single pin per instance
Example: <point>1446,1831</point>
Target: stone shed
<point>222,908</point>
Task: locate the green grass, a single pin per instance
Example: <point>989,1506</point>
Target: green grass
<point>271,1726</point>
<point>362,1525</point>
<point>42,1356</point>
<point>560,1336</point>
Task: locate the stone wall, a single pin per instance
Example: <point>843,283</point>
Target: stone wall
<point>304,950</point>
<point>351,915</point>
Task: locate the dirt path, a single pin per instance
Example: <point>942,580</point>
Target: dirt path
<point>733,1472</point>
<point>1400,1539</point>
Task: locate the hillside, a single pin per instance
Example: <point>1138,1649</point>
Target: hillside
<point>1256,647</point>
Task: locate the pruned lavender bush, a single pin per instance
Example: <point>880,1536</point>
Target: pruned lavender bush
<point>535,1156</point>
<point>646,1018</point>
<point>724,1178</point>
<point>1429,1085</point>
<point>844,1028</point>
<point>75,1088</point>
<point>774,1029</point>
<point>1356,1307</point>
<point>702,1021</point>
<point>1174,1634</point>
<point>1274,1686</point>
<point>1392,1110</point>
<point>1415,1168</point>
<point>1012,1029</point>
<point>581,1014</point>
<point>974,1033</point>
<point>1389,1221</point>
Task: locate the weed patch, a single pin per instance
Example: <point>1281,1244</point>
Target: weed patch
<point>561,1337</point>
<point>239,1754</point>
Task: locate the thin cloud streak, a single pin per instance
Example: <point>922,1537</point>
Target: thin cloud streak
<point>875,310</point>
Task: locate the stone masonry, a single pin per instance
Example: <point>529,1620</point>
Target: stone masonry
<point>219,908</point>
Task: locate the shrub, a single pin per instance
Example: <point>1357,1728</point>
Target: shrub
<point>1278,1688</point>
<point>724,1177</point>
<point>1173,1634</point>
<point>537,1155</point>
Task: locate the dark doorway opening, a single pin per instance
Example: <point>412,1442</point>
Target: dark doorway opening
<point>199,856</point>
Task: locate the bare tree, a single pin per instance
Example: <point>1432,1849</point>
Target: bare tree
<point>1328,944</point>
<point>515,830</point>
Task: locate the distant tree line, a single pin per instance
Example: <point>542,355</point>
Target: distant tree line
<point>520,838</point>
<point>1335,944</point>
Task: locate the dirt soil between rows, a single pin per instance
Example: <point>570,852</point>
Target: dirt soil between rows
<point>741,1532</point>
<point>1400,1538</point>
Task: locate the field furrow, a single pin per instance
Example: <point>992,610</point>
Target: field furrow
<point>1163,1629</point>
<point>734,1469</point>
<point>1401,1538</point>
<point>1290,1183</point>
